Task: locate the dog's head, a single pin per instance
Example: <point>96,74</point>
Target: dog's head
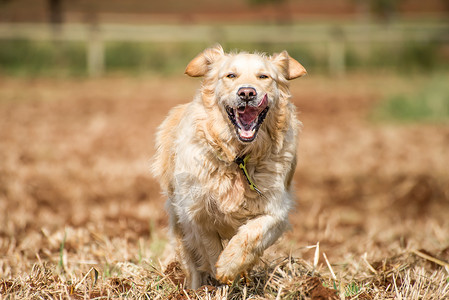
<point>244,86</point>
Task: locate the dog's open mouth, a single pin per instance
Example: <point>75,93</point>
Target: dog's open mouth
<point>247,119</point>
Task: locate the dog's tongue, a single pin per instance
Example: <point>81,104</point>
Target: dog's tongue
<point>248,114</point>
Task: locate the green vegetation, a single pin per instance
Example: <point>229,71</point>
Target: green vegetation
<point>24,57</point>
<point>402,58</point>
<point>428,104</point>
<point>34,58</point>
<point>138,57</point>
<point>352,289</point>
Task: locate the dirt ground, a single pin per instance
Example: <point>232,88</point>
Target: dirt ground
<point>76,194</point>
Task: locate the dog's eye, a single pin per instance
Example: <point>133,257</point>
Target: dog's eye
<point>231,75</point>
<point>263,76</point>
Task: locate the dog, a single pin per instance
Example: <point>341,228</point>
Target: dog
<point>226,162</point>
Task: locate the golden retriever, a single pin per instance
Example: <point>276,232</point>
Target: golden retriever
<point>226,162</point>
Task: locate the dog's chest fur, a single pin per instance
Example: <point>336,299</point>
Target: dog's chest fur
<point>227,201</point>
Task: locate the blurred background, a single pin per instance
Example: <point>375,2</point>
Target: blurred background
<point>81,37</point>
<point>85,83</point>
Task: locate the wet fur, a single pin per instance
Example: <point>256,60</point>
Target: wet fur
<point>220,226</point>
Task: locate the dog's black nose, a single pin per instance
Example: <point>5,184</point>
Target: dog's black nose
<point>247,93</point>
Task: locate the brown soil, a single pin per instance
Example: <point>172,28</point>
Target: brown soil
<point>74,169</point>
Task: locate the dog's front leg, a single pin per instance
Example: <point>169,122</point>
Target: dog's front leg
<point>247,245</point>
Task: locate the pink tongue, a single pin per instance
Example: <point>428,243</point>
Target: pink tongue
<point>249,114</point>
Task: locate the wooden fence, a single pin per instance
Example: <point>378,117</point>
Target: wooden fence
<point>336,36</point>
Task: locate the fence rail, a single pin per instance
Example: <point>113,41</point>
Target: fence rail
<point>336,36</point>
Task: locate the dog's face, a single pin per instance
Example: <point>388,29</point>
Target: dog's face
<point>246,89</point>
<point>245,86</point>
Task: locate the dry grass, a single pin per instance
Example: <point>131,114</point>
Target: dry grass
<point>80,216</point>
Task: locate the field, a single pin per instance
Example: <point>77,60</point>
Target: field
<point>81,217</point>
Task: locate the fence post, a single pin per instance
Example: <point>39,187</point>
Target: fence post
<point>95,52</point>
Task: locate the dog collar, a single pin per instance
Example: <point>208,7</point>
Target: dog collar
<point>241,162</point>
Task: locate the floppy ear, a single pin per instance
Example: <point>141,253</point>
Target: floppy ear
<point>290,67</point>
<point>199,66</point>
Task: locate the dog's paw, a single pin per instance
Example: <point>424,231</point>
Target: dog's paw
<point>233,261</point>
<point>226,273</point>
<point>225,278</point>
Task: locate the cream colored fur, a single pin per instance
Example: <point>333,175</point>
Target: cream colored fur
<point>219,224</point>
